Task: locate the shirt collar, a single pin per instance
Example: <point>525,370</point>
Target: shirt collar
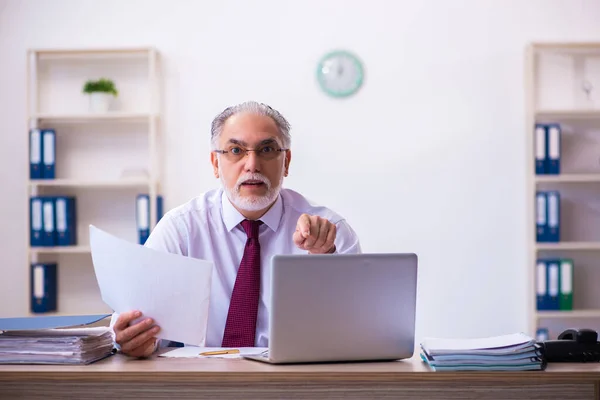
<point>232,217</point>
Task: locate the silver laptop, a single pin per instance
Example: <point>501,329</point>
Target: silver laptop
<point>342,307</point>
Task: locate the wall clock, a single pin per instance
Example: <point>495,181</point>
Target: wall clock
<point>340,73</point>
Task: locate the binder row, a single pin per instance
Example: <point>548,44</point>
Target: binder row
<point>547,210</point>
<point>44,287</point>
<point>53,221</point>
<point>142,212</point>
<point>554,281</point>
<point>42,154</point>
<point>547,149</point>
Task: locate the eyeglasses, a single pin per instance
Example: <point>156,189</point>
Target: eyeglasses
<point>236,153</point>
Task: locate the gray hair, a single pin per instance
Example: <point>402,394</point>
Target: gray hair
<point>254,108</point>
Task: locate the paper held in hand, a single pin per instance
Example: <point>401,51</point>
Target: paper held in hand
<point>173,290</point>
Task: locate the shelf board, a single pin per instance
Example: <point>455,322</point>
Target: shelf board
<point>567,45</point>
<point>568,314</point>
<point>99,117</point>
<point>569,246</point>
<point>568,114</point>
<point>58,53</point>
<point>568,178</point>
<point>60,250</point>
<point>82,183</point>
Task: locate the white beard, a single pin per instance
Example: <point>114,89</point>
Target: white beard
<point>252,203</point>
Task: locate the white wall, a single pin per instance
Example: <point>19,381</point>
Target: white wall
<point>429,157</point>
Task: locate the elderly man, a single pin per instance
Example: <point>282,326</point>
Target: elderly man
<point>239,227</point>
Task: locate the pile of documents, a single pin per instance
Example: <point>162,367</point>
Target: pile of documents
<point>56,346</point>
<point>514,352</point>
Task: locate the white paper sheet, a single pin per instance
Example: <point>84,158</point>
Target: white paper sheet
<point>171,289</point>
<point>194,352</point>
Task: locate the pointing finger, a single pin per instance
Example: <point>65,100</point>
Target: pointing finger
<point>314,232</point>
<point>304,225</point>
<point>329,243</point>
<point>298,238</point>
<point>322,236</point>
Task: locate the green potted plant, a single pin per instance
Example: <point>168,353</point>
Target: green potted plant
<point>101,92</point>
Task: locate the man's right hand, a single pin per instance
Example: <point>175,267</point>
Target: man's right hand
<point>137,340</point>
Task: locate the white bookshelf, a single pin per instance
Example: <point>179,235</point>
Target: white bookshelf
<point>36,251</point>
<point>104,160</point>
<point>568,114</point>
<point>566,246</point>
<point>555,77</point>
<point>95,118</point>
<point>565,178</point>
<point>569,314</point>
<point>94,183</point>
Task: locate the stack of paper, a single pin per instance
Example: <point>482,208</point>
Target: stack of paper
<point>56,346</point>
<point>514,352</point>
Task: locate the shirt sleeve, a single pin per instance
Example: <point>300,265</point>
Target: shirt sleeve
<point>168,237</point>
<point>346,240</point>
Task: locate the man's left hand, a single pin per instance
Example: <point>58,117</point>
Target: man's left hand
<point>315,234</point>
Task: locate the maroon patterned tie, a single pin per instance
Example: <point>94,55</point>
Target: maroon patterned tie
<point>240,327</point>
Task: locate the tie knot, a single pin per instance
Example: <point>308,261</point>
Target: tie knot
<point>251,228</point>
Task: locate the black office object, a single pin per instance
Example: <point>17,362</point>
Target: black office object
<point>572,345</point>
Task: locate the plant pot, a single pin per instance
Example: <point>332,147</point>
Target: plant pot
<point>100,102</point>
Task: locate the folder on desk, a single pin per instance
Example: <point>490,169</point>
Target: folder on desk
<point>49,222</point>
<point>35,222</point>
<point>541,279</point>
<point>541,212</point>
<point>541,149</point>
<point>553,282</point>
<point>66,225</point>
<point>554,148</point>
<point>553,216</point>
<point>49,153</point>
<point>35,154</point>
<point>43,287</point>
<point>566,284</point>
<point>49,322</point>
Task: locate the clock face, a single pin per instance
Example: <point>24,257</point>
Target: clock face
<point>340,74</point>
